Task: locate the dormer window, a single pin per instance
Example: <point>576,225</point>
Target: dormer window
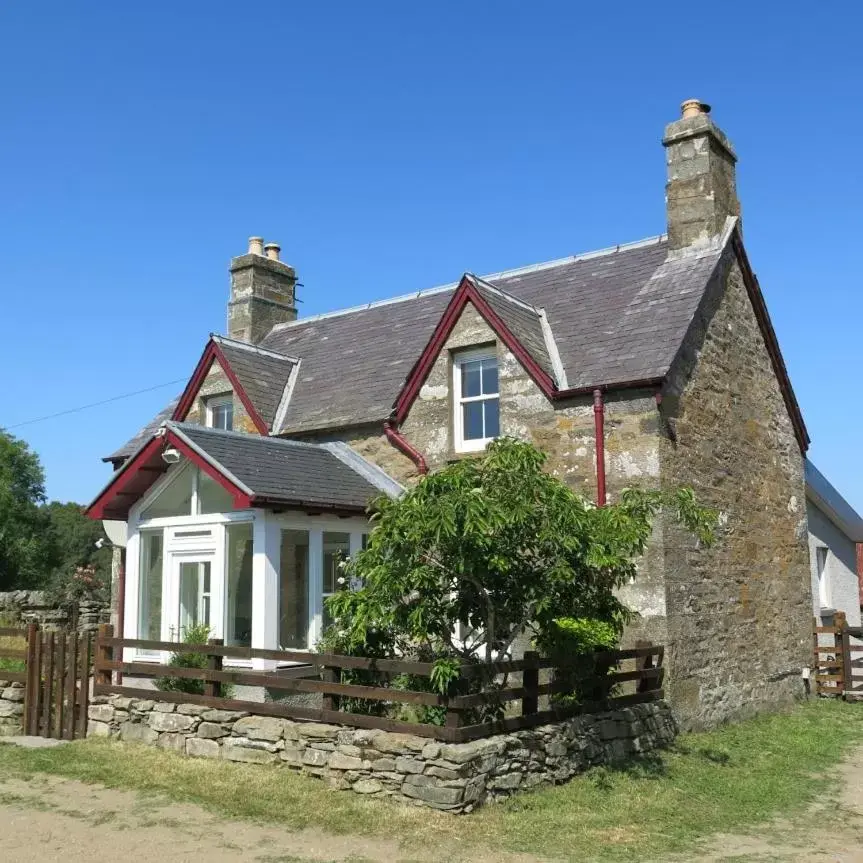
<point>220,412</point>
<point>476,399</point>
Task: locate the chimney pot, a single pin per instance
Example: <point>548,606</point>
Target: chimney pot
<point>694,107</point>
<point>272,251</point>
<point>256,246</point>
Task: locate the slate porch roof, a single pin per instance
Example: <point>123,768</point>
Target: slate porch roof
<point>256,470</point>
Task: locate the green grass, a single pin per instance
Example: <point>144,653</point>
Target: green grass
<point>722,781</point>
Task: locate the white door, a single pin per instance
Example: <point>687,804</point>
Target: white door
<point>195,578</point>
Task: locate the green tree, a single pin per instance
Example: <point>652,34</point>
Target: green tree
<point>495,546</point>
<point>28,551</point>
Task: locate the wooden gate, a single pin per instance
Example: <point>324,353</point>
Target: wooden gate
<point>57,686</point>
<point>838,659</point>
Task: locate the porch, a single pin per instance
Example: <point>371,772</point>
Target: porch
<point>242,534</point>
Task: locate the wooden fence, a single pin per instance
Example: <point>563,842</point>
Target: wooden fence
<point>322,673</point>
<point>838,665</point>
<point>55,670</point>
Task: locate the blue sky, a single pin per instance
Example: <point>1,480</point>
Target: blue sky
<point>390,147</point>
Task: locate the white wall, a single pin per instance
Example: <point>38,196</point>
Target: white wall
<point>841,565</point>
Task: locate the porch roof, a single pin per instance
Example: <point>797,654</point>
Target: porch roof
<point>257,471</point>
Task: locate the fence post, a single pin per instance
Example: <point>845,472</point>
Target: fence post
<point>33,683</point>
<point>213,688</point>
<point>104,653</point>
<point>530,684</point>
<point>331,674</point>
<point>843,644</point>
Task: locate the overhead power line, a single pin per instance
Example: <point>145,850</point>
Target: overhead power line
<point>94,404</point>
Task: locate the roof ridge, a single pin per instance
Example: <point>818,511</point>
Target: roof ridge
<point>505,294</point>
<point>236,343</point>
<point>503,274</point>
<point>184,426</point>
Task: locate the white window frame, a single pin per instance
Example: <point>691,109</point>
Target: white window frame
<point>458,361</point>
<point>822,561</point>
<point>219,401</point>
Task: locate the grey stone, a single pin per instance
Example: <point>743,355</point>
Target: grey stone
<point>164,706</point>
<point>170,721</point>
<point>384,765</point>
<point>143,705</point>
<point>199,748</point>
<point>234,750</point>
<point>367,786</point>
<point>137,732</point>
<point>259,728</point>
<point>433,794</point>
<point>318,731</point>
<point>121,702</point>
<point>11,708</point>
<point>339,761</point>
<point>431,751</point>
<point>315,757</point>
<point>175,742</point>
<point>222,715</point>
<point>291,754</point>
<point>409,765</point>
<point>13,694</point>
<point>191,709</point>
<point>211,730</point>
<point>508,782</point>
<point>100,712</point>
<point>98,729</point>
<point>397,744</point>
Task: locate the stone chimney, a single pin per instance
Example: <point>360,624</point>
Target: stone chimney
<point>702,187</point>
<point>262,292</point>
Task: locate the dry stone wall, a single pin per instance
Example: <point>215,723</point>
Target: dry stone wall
<point>11,708</point>
<point>34,606</point>
<point>414,770</point>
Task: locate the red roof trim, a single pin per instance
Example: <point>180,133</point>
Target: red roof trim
<point>122,479</point>
<point>213,353</point>
<point>140,463</point>
<point>465,293</point>
<point>766,326</point>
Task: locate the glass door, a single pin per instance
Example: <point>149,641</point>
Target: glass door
<point>195,580</point>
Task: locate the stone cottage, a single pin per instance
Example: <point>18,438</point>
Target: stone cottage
<point>652,362</point>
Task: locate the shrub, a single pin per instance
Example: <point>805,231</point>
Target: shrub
<point>197,634</point>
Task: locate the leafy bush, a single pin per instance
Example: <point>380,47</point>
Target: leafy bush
<point>571,643</point>
<point>197,634</point>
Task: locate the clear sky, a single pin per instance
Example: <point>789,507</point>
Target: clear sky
<point>389,147</point>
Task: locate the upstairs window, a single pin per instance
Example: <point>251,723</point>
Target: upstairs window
<point>220,412</point>
<point>476,399</point>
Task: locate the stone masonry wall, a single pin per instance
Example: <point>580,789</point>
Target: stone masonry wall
<point>740,614</point>
<point>11,708</point>
<point>216,383</point>
<point>34,606</point>
<point>413,770</point>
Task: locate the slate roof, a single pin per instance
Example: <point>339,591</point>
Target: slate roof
<point>291,472</point>
<point>263,375</point>
<point>615,316</point>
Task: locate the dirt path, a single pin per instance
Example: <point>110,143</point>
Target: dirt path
<point>47,818</point>
<point>832,829</point>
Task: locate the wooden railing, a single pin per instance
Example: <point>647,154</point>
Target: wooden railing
<point>323,674</point>
<point>838,665</point>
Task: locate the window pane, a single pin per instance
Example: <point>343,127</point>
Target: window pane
<point>470,378</point>
<point>176,499</point>
<point>212,497</point>
<point>472,413</point>
<point>489,377</point>
<point>238,628</point>
<point>150,586</point>
<point>492,418</point>
<point>222,415</point>
<point>294,590</point>
<point>337,548</point>
<point>194,606</point>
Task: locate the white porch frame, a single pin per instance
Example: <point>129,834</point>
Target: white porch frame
<point>266,574</point>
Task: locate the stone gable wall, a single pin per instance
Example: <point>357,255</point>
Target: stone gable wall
<point>740,614</point>
<point>216,383</point>
<point>409,769</point>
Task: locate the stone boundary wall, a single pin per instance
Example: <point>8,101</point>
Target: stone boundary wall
<point>454,777</point>
<point>34,606</point>
<point>11,708</point>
